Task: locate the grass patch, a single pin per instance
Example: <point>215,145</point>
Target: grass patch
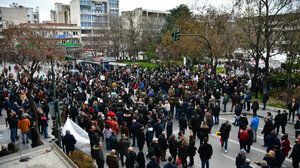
<point>82,160</point>
<point>220,70</point>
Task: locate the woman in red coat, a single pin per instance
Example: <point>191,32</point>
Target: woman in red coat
<point>285,145</point>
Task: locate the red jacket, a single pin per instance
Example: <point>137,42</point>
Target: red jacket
<point>285,146</point>
<point>110,114</point>
<point>243,135</point>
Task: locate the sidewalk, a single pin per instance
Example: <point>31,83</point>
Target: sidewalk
<point>261,113</point>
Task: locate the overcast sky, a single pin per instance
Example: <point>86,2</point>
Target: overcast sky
<point>46,5</point>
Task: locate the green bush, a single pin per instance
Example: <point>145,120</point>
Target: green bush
<point>82,160</point>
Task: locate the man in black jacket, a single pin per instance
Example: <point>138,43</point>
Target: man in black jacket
<point>295,154</point>
<point>169,128</point>
<point>13,125</point>
<point>205,151</point>
<point>130,158</point>
<point>243,121</point>
<point>277,121</point>
<point>240,158</point>
<point>69,142</point>
<point>268,127</point>
<point>225,131</point>
<point>173,145</point>
<point>195,123</point>
<point>163,145</point>
<point>99,155</point>
<point>33,134</point>
<point>94,140</point>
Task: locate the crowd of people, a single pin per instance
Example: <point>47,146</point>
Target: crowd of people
<point>128,109</point>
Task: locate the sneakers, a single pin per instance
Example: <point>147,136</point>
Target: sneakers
<point>225,151</point>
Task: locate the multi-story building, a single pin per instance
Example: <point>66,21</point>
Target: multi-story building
<point>61,14</point>
<point>67,35</point>
<point>92,15</point>
<point>32,14</point>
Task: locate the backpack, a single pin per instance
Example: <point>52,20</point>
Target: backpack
<point>243,135</point>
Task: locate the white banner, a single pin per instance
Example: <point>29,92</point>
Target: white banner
<point>81,136</point>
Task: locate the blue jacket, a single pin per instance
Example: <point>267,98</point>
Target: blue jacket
<point>248,97</point>
<point>254,123</point>
<point>169,165</point>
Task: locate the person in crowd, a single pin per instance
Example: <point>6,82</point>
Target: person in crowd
<point>277,121</point>
<point>216,113</point>
<point>235,101</point>
<point>254,125</point>
<point>44,124</point>
<point>169,127</point>
<point>33,134</point>
<point>140,135</point>
<point>106,134</point>
<point>285,145</point>
<point>268,127</point>
<point>130,158</point>
<point>203,132</point>
<point>237,113</point>
<point>13,125</point>
<point>269,158</point>
<point>154,149</point>
<point>163,145</point>
<point>250,139</point>
<point>183,152</point>
<point>255,106</point>
<point>182,123</point>
<point>243,137</point>
<point>272,140</point>
<point>248,99</point>
<point>208,120</point>
<point>115,125</point>
<point>173,146</point>
<point>295,154</point>
<point>243,121</point>
<point>279,157</point>
<point>170,163</point>
<point>225,132</point>
<point>268,116</point>
<point>265,99</point>
<point>94,140</point>
<point>205,151</point>
<point>140,159</point>
<point>24,125</point>
<point>283,121</point>
<point>69,142</point>
<point>225,101</point>
<point>247,164</point>
<point>112,140</point>
<point>262,164</point>
<point>124,129</point>
<point>192,150</point>
<point>112,160</point>
<point>153,163</point>
<point>293,107</point>
<point>133,130</point>
<point>195,123</point>
<point>240,158</point>
<point>99,155</point>
<point>122,147</point>
<point>149,135</point>
<point>297,127</point>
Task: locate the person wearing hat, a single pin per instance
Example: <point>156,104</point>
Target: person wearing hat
<point>240,158</point>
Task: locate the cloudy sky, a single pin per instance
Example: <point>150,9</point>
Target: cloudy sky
<point>46,5</point>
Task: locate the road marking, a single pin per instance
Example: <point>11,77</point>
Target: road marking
<point>253,148</point>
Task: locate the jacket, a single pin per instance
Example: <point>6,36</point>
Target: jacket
<point>130,159</point>
<point>113,142</point>
<point>115,126</point>
<point>140,159</point>
<point>94,139</point>
<point>285,147</point>
<point>44,121</point>
<point>149,134</point>
<point>122,146</point>
<point>254,123</point>
<point>240,160</point>
<point>173,147</point>
<point>24,124</point>
<point>271,141</point>
<point>192,148</point>
<point>99,155</point>
<point>112,161</point>
<point>152,164</point>
<point>205,151</point>
<point>225,130</point>
<point>268,127</point>
<point>296,152</point>
<point>163,145</point>
<point>195,122</point>
<point>170,165</point>
<point>183,152</point>
<point>69,141</point>
<point>255,105</point>
<point>169,128</point>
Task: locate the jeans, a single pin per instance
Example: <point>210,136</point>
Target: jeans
<point>205,162</point>
<point>265,103</point>
<point>13,134</point>
<point>225,141</point>
<point>23,137</point>
<point>255,135</point>
<point>107,143</point>
<point>45,132</point>
<point>122,159</point>
<point>224,107</point>
<point>216,119</point>
<point>133,140</point>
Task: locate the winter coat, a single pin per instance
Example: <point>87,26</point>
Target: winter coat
<point>295,152</point>
<point>149,135</point>
<point>24,124</point>
<point>112,161</point>
<point>250,137</point>
<point>122,146</point>
<point>255,105</point>
<point>225,130</point>
<point>113,142</point>
<point>268,127</point>
<point>44,121</point>
<point>154,150</point>
<point>152,164</point>
<point>205,151</point>
<point>192,148</point>
<point>173,147</point>
<point>99,155</point>
<point>163,145</point>
<point>140,159</point>
<point>271,141</point>
<point>182,122</point>
<point>254,123</point>
<point>240,160</point>
<point>195,122</point>
<point>94,139</point>
<point>140,138</point>
<point>208,118</point>
<point>285,147</point>
<point>183,152</point>
<point>69,141</point>
<point>130,159</point>
<point>134,128</point>
<point>169,128</point>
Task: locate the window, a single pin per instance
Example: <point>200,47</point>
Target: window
<point>85,17</point>
<point>75,33</point>
<point>63,42</point>
<point>113,3</point>
<point>66,33</point>
<point>85,24</point>
<point>114,12</point>
<point>28,21</point>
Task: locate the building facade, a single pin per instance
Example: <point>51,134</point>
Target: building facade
<point>61,14</point>
<point>32,14</point>
<point>92,15</point>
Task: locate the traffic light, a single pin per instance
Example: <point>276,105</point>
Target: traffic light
<point>176,35</point>
<point>59,106</point>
